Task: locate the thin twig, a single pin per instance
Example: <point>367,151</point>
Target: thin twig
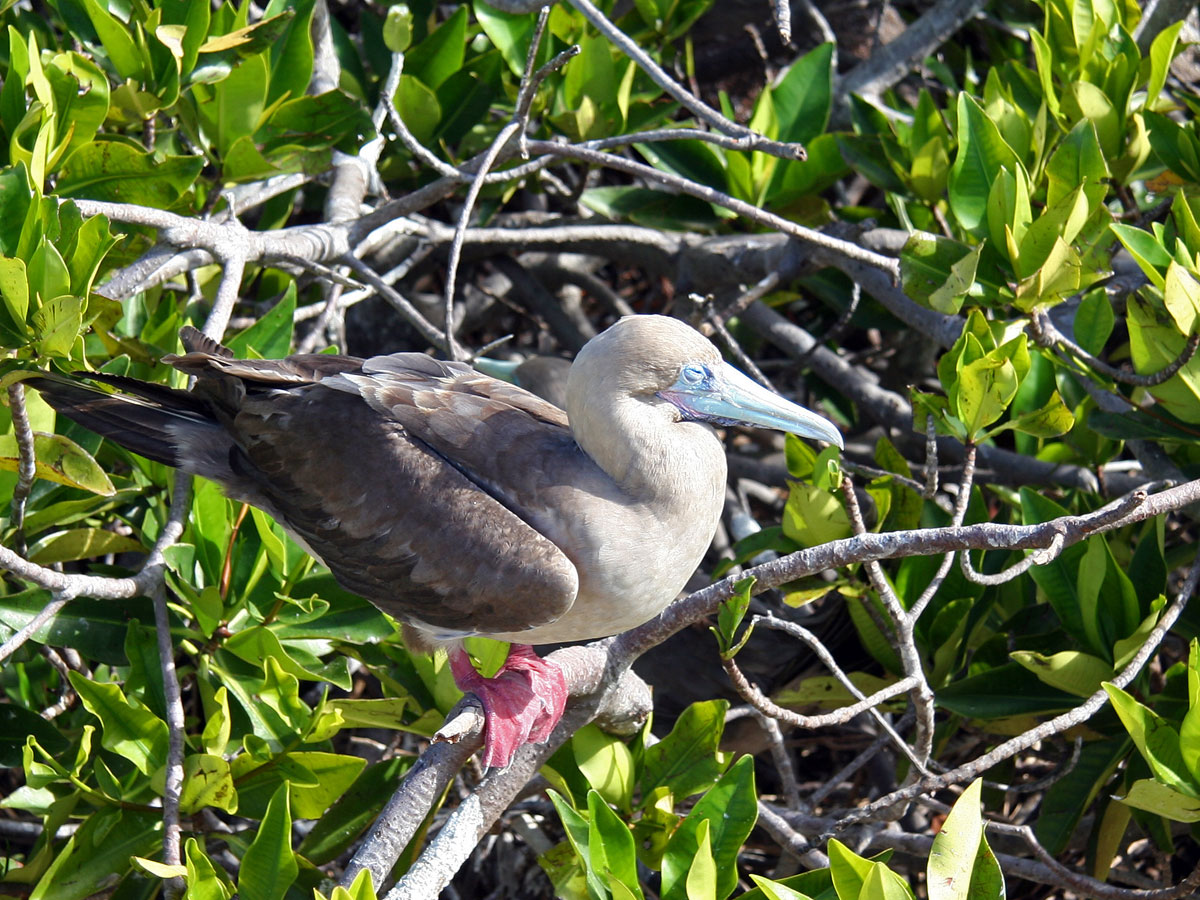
<point>26,462</point>
<point>961,502</point>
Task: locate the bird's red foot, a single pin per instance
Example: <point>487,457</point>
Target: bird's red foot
<point>521,704</point>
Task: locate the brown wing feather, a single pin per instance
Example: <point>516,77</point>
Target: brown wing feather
<point>392,517</point>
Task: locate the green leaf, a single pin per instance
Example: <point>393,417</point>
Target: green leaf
<point>982,152</point>
<point>1150,255</point>
<point>1162,800</point>
<point>232,107</point>
<point>292,51</point>
<point>98,853</point>
<point>814,516</point>
<point>772,890</point>
<point>1162,51</point>
<point>1078,163</point>
<point>1156,740</point>
<point>701,882</point>
<point>271,336</point>
<point>48,273</point>
<point>960,864</point>
<point>509,32</point>
<point>938,272</point>
<point>332,119</point>
<point>96,628</point>
<point>1001,692</point>
<point>57,324</point>
<point>316,779</point>
<point>1009,214</point>
<point>607,833</point>
<point>14,289</point>
<point>606,763</point>
<point>87,249</point>
<point>204,880</point>
<point>729,619</point>
<point>269,866</point>
<point>985,388</point>
<point>1050,421</point>
<point>207,781</point>
<point>418,107</point>
<point>730,809</point>
<point>687,760</point>
<point>1084,100</point>
<point>61,460</point>
<point>17,724</point>
<point>579,834</point>
<point>1178,146</point>
<point>120,173</point>
<point>1094,321</point>
<point>803,96</point>
<point>440,55</point>
<point>398,27</point>
<point>81,543</point>
<point>1071,796</point>
<point>118,44</point>
<point>1181,296</point>
<point>127,727</point>
<point>1069,670</point>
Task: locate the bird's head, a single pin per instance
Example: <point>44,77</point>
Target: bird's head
<point>662,358</point>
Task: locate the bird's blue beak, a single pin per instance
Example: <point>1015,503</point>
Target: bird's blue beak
<point>722,395</point>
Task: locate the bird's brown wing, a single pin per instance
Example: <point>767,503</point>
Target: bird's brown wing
<point>394,518</point>
<point>514,445</point>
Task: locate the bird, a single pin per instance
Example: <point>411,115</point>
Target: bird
<point>462,505</point>
<point>545,376</point>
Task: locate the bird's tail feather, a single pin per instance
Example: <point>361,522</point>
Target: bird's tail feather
<point>144,418</point>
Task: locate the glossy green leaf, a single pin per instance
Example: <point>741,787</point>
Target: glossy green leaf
<point>115,171</point>
<point>207,781</point>
<point>730,809</point>
<point>440,55</point>
<point>127,727</point>
<point>122,51</point>
<point>81,543</point>
<point>1069,670</point>
<point>1003,691</point>
<point>982,152</point>
<point>579,834</point>
<point>803,96</point>
<point>606,763</point>
<point>98,852</point>
<point>315,778</point>
<point>1150,255</point>
<point>269,866</point>
<point>1156,739</point>
<point>61,460</point>
<point>17,724</point>
<point>960,864</point>
<point>687,760</point>
<point>1161,800</point>
<point>14,289</point>
<point>814,516</point>
<point>607,833</point>
<point>1094,321</point>
<point>1050,421</point>
<point>271,336</point>
<point>204,880</point>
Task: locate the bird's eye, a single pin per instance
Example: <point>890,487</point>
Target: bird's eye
<point>693,374</point>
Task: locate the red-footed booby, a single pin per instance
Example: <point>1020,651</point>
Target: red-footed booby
<point>463,505</point>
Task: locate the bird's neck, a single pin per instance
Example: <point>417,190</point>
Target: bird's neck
<point>652,458</point>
